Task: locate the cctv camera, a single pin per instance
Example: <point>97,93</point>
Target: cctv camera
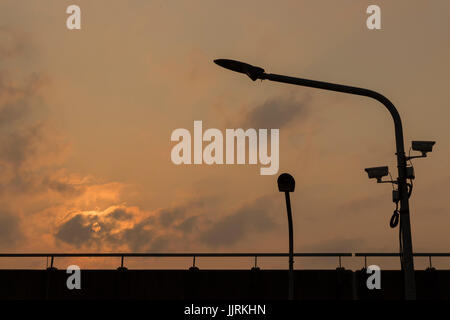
<point>423,146</point>
<point>377,172</point>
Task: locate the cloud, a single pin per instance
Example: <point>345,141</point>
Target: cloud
<point>256,217</point>
<point>28,148</point>
<point>32,154</point>
<point>17,100</point>
<point>29,145</point>
<point>164,227</point>
<point>76,231</point>
<point>129,228</point>
<point>120,214</point>
<point>188,225</point>
<point>276,113</point>
<point>63,186</point>
<point>169,216</point>
<point>181,226</point>
<point>10,231</point>
<point>80,212</point>
<point>13,43</point>
<point>20,145</point>
<point>95,228</point>
<point>138,237</point>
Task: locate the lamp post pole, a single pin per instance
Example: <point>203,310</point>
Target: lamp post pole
<point>286,184</point>
<point>406,257</point>
<point>291,247</point>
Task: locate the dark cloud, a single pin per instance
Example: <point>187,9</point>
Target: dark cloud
<point>253,218</point>
<point>29,146</point>
<point>177,226</point>
<point>168,217</point>
<point>188,225</point>
<point>76,231</point>
<point>27,157</point>
<point>10,231</point>
<point>20,145</point>
<point>18,97</point>
<point>19,101</point>
<point>120,214</point>
<point>24,139</point>
<point>160,230</point>
<point>92,229</point>
<point>155,231</point>
<point>275,113</point>
<point>140,236</point>
<point>13,43</point>
<point>63,187</point>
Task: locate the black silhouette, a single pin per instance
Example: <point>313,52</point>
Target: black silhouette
<point>406,256</point>
<point>286,184</point>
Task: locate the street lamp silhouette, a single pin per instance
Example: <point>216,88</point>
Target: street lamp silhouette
<point>406,255</point>
<point>286,184</point>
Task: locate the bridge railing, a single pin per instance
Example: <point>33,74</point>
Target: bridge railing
<point>418,254</point>
<point>194,255</point>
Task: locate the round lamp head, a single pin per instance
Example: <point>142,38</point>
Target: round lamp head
<point>286,183</point>
<point>241,67</point>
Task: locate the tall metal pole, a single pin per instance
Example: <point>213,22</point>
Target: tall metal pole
<point>291,247</point>
<point>407,253</point>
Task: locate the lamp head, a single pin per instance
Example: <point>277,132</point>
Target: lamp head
<point>286,183</point>
<point>241,67</point>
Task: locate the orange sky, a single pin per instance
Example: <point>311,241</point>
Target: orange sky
<point>86,118</point>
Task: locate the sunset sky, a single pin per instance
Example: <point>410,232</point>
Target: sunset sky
<point>86,118</point>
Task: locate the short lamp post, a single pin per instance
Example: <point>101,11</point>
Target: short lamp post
<point>286,184</point>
